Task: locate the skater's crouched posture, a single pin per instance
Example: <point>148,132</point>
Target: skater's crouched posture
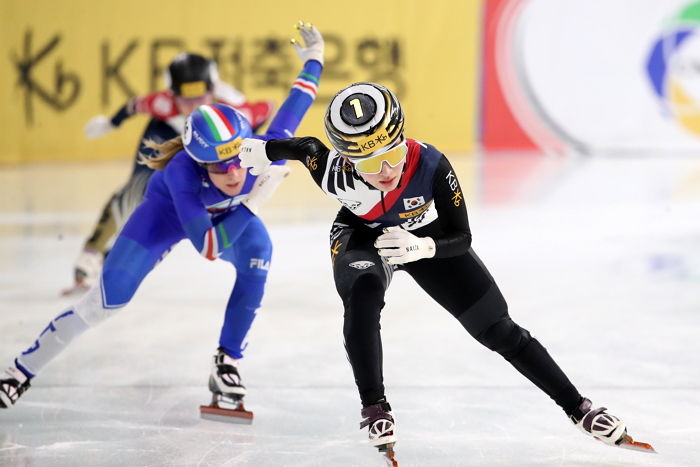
<point>193,80</point>
<point>403,209</point>
<point>199,193</point>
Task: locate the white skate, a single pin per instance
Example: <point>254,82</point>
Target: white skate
<point>380,422</point>
<point>605,427</point>
<point>13,383</point>
<point>227,392</point>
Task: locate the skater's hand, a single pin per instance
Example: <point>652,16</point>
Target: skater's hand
<point>253,156</point>
<point>313,41</point>
<point>98,126</point>
<point>265,186</point>
<point>400,246</point>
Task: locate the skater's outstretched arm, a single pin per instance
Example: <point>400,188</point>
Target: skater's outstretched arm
<point>159,104</point>
<point>304,88</point>
<point>258,155</point>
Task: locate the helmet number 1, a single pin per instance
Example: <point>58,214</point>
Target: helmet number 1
<point>355,103</point>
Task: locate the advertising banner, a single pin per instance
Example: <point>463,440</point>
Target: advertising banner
<point>67,61</point>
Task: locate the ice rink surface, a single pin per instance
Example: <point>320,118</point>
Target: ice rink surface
<point>600,260</point>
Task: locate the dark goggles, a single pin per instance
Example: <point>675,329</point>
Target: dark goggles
<point>222,167</point>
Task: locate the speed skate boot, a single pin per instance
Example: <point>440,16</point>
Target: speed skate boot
<point>227,392</point>
<point>380,422</point>
<point>13,383</point>
<point>605,427</point>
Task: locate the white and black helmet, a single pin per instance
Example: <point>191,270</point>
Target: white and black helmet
<point>363,120</point>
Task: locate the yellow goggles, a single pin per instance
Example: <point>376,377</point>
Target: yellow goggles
<point>373,165</point>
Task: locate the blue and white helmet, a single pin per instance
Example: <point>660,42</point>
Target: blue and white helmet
<point>214,133</point>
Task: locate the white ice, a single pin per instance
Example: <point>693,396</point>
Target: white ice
<point>601,264</point>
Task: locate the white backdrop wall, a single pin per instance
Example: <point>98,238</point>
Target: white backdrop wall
<point>584,65</point>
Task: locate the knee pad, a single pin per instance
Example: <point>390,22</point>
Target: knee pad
<point>351,267</point>
<point>506,338</point>
<point>366,291</point>
<point>117,288</point>
<point>126,266</point>
<point>361,289</point>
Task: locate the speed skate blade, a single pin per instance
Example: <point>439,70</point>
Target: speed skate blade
<point>628,443</point>
<point>217,414</point>
<point>388,453</point>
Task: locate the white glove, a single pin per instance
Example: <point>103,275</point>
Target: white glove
<point>313,41</point>
<point>98,126</point>
<point>400,246</point>
<point>253,155</point>
<point>265,186</point>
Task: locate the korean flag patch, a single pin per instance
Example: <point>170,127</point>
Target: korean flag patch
<point>412,203</point>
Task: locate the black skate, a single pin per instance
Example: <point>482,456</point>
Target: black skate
<point>605,427</point>
<point>227,393</point>
<point>380,420</point>
<point>13,383</point>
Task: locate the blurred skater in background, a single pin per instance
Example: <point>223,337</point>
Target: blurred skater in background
<point>191,80</point>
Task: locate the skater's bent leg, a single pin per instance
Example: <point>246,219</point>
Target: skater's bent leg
<point>464,287</point>
<point>144,241</point>
<point>251,254</point>
<point>146,238</point>
<point>102,235</point>
<point>363,341</point>
<point>489,323</point>
<point>240,313</point>
<point>125,268</point>
<point>123,272</point>
<point>361,279</point>
<point>62,330</point>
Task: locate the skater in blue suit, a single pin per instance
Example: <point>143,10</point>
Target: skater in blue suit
<point>199,193</point>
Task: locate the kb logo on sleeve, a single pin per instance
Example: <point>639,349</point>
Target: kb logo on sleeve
<point>451,181</point>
